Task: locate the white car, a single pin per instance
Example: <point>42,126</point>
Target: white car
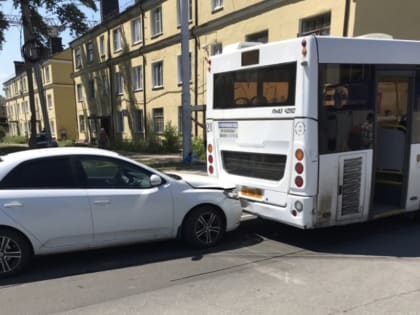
<point>65,199</point>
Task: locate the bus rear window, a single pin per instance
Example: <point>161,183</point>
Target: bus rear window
<point>267,86</point>
<point>256,165</point>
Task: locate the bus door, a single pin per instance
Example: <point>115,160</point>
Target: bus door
<point>394,92</point>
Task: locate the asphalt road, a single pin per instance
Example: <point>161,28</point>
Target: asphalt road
<point>262,268</point>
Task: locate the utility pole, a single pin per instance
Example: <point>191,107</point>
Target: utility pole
<point>185,73</point>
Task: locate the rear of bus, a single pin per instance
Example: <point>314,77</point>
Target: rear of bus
<point>262,129</point>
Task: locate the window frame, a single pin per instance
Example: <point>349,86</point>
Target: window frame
<point>157,74</point>
<point>156,22</point>
<point>136,31</point>
<point>137,78</point>
<point>117,39</point>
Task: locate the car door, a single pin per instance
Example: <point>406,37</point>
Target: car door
<point>45,197</point>
<point>125,206</point>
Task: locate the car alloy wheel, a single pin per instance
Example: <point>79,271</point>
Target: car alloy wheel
<point>204,227</point>
<point>14,253</point>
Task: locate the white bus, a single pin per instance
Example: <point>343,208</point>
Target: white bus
<point>317,131</point>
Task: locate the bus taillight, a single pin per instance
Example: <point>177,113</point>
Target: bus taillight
<point>299,168</point>
<point>299,154</point>
<point>299,181</point>
<point>210,159</point>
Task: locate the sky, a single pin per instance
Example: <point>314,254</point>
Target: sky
<point>14,39</point>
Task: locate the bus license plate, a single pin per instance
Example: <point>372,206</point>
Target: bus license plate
<point>250,192</point>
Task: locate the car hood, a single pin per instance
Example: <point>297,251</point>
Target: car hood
<point>201,181</point>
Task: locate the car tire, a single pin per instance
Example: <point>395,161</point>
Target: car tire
<point>204,227</point>
<point>15,252</point>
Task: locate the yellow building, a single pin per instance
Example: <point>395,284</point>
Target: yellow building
<point>58,90</point>
<point>127,69</point>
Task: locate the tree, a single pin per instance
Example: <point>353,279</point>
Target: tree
<point>67,12</point>
<point>36,35</point>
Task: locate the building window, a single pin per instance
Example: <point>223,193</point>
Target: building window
<point>120,122</point>
<point>157,74</point>
<point>156,21</point>
<point>104,85</point>
<point>119,83</point>
<point>79,92</point>
<point>91,88</point>
<point>178,11</point>
<point>158,123</point>
<point>82,123</point>
<point>138,121</point>
<point>180,68</point>
<point>216,49</point>
<point>89,52</point>
<point>136,36</point>
<point>216,5</point>
<point>78,57</point>
<point>116,35</point>
<point>47,75</point>
<point>319,25</point>
<point>260,37</point>
<point>52,127</point>
<point>137,73</point>
<point>49,101</point>
<point>102,45</point>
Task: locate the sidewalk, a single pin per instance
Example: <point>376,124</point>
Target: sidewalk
<point>165,162</point>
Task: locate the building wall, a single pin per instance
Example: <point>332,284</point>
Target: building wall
<point>399,19</point>
<point>235,21</point>
<point>58,87</point>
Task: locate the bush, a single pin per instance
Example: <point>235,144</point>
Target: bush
<point>2,133</point>
<point>15,140</point>
<point>170,141</point>
<point>199,149</point>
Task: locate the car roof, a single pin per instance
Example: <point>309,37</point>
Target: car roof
<point>24,155</point>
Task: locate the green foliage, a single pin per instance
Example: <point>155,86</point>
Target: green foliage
<point>15,140</point>
<point>199,149</point>
<point>67,12</point>
<point>65,143</point>
<point>2,133</point>
<point>170,139</point>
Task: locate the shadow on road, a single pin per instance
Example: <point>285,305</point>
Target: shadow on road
<point>391,237</point>
<point>70,264</point>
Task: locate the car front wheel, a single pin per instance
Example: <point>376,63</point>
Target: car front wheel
<point>15,252</point>
<point>204,227</point>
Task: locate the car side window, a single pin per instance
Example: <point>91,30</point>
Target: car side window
<point>45,173</point>
<point>112,173</point>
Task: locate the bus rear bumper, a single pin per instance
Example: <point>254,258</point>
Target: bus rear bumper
<point>287,214</point>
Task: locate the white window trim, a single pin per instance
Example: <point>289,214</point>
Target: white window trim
<point>114,42</point>
<point>152,21</point>
<point>157,86</point>
<point>140,87</point>
<point>133,41</point>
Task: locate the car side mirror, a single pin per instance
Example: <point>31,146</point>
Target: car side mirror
<point>155,180</point>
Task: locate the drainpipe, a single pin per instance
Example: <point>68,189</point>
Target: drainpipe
<point>346,19</point>
<point>196,50</point>
<point>111,85</point>
<point>144,76</point>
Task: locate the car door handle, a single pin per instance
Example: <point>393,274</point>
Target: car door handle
<point>13,204</point>
<point>102,202</point>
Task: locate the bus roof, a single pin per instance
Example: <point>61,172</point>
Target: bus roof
<point>328,49</point>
